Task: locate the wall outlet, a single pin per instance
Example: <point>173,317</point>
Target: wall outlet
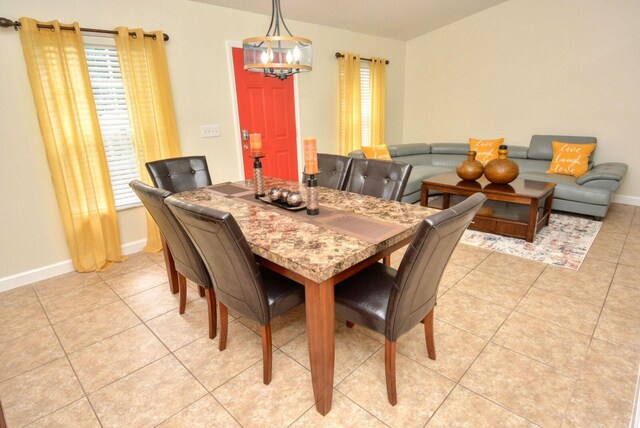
<point>209,131</point>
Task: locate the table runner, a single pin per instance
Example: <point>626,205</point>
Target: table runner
<point>349,229</point>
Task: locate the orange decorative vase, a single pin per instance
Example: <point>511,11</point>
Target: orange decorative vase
<point>501,170</point>
<point>470,169</point>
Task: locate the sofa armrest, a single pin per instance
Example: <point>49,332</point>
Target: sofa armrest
<point>604,171</point>
<point>358,154</point>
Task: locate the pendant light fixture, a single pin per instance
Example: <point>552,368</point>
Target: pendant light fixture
<point>276,55</point>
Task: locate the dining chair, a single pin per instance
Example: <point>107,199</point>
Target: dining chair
<point>180,174</point>
<point>380,178</point>
<point>240,282</point>
<point>188,262</point>
<point>334,170</point>
<point>393,302</point>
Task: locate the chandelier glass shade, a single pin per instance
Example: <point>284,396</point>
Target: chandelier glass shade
<point>277,55</point>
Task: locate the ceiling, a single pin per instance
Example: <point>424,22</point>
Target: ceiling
<point>403,20</point>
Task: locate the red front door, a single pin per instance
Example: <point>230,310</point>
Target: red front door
<point>266,107</point>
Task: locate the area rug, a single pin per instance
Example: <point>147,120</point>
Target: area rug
<point>564,242</point>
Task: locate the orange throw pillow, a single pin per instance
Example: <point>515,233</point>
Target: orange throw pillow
<point>486,150</point>
<point>570,159</point>
<point>378,152</point>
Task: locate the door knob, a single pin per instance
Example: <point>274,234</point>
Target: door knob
<point>245,136</point>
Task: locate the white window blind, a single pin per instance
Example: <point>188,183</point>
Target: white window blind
<point>111,104</point>
<point>365,103</point>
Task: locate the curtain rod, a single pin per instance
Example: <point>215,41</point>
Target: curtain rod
<point>7,23</point>
<point>341,55</point>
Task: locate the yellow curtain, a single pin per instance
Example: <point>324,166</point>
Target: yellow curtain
<point>71,132</point>
<point>377,77</point>
<point>350,104</point>
<point>145,74</point>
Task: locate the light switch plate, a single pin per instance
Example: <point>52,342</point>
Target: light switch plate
<point>209,131</point>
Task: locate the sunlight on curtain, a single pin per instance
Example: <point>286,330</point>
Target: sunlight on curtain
<point>69,124</point>
<point>145,74</point>
<point>377,72</point>
<point>350,113</point>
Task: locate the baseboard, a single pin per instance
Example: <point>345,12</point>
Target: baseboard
<point>55,269</point>
<point>627,200</point>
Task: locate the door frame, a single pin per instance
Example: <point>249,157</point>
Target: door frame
<point>230,44</point>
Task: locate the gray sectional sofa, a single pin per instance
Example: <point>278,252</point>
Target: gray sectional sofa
<point>589,194</point>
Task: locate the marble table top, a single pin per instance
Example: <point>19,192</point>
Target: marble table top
<point>350,227</point>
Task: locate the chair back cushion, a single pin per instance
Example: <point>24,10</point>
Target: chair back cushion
<point>227,256</point>
<point>180,174</point>
<point>382,179</point>
<point>416,284</point>
<point>334,170</point>
<point>185,255</point>
<point>541,145</point>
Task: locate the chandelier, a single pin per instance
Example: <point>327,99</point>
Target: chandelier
<point>276,55</point>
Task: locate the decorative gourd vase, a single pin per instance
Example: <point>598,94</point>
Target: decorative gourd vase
<point>470,169</point>
<point>501,170</point>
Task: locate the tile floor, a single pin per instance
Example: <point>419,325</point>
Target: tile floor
<point>519,343</point>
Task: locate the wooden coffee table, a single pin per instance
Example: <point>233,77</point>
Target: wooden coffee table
<point>512,209</point>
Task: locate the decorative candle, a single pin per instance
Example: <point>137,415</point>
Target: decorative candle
<point>310,156</point>
<point>255,141</point>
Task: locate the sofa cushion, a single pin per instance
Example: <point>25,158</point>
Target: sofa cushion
<point>419,173</point>
<point>450,148</point>
<point>410,149</point>
<point>540,147</point>
<point>378,152</point>
<point>518,152</point>
<point>450,161</point>
<point>414,159</point>
<point>533,165</point>
<point>570,159</point>
<point>486,150</point>
<point>566,188</point>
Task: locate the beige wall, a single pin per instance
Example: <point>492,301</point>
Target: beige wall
<point>528,67</point>
<point>30,227</point>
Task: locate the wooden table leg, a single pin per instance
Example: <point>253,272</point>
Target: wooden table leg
<point>424,195</point>
<point>446,200</point>
<point>171,268</point>
<point>547,207</point>
<point>532,224</point>
<point>320,306</point>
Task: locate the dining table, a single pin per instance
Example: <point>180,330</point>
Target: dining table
<point>351,231</point>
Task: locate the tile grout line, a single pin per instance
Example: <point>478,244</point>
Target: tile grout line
<point>170,352</point>
<point>66,356</point>
<point>592,336</point>
<point>478,356</point>
<point>335,387</point>
<point>210,393</point>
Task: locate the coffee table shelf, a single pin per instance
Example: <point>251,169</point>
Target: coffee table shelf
<point>519,209</point>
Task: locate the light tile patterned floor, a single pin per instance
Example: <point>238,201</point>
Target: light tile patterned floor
<point>519,343</point>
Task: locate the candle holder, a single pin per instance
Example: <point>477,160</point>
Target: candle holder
<point>312,195</point>
<point>258,177</point>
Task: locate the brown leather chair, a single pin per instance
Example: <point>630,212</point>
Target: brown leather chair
<point>379,178</point>
<point>393,302</point>
<point>180,174</point>
<point>240,283</point>
<point>334,170</point>
<point>187,261</point>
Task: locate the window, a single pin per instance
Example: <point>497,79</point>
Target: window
<point>365,101</point>
<point>111,104</point>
